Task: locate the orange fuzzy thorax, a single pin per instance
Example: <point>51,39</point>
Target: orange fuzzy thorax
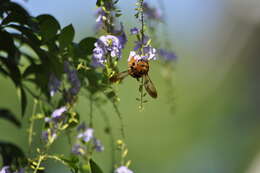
<point>138,68</point>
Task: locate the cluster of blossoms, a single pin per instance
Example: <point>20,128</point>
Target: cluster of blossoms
<point>143,48</point>
<point>86,136</point>
<point>57,116</point>
<point>6,169</point>
<point>101,18</point>
<point>54,83</point>
<point>107,45</point>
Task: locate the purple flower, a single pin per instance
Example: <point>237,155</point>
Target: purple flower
<point>99,58</point>
<point>150,53</point>
<point>82,126</point>
<point>56,114</point>
<point>134,31</point>
<point>134,55</point>
<point>106,45</point>
<point>167,55</point>
<point>151,13</point>
<point>5,169</point>
<point>98,146</point>
<point>123,169</point>
<point>72,78</point>
<point>49,135</point>
<point>101,17</point>
<point>78,149</point>
<point>87,135</point>
<point>141,43</point>
<point>54,84</point>
<point>121,35</point>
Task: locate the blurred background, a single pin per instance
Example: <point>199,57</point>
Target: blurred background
<point>214,126</point>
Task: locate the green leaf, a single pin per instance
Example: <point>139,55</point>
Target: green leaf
<point>9,116</point>
<point>26,32</point>
<point>49,26</point>
<point>11,154</point>
<point>66,36</point>
<point>98,3</point>
<point>12,7</point>
<point>8,45</point>
<point>13,70</point>
<point>23,99</point>
<point>94,167</point>
<point>87,45</point>
<point>73,163</point>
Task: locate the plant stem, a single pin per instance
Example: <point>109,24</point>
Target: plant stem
<point>142,20</point>
<point>141,93</point>
<point>32,119</point>
<point>91,111</point>
<point>39,163</point>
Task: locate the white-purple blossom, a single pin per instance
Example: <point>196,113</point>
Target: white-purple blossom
<point>5,169</point>
<point>87,135</point>
<point>78,149</point>
<point>53,84</point>
<point>101,15</point>
<point>149,53</point>
<point>134,31</point>
<point>82,127</point>
<point>49,134</point>
<point>100,18</point>
<point>97,145</point>
<point>106,45</point>
<point>134,55</point>
<point>123,169</point>
<point>56,114</point>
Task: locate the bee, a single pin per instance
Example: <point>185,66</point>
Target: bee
<point>137,69</point>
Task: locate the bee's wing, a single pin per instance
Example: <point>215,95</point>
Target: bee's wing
<point>149,86</point>
<point>119,76</point>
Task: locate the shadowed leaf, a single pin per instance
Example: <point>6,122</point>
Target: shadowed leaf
<point>94,167</point>
<point>49,26</point>
<point>66,36</point>
<point>87,45</point>
<point>8,115</point>
<point>11,154</point>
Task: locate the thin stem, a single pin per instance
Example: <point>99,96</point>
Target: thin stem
<point>142,20</point>
<point>141,89</point>
<point>108,124</point>
<point>121,120</point>
<point>91,110</point>
<point>32,119</point>
<point>38,163</point>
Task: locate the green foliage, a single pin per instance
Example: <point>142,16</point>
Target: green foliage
<point>48,27</point>
<point>94,167</point>
<point>12,154</point>
<point>66,36</point>
<point>9,116</point>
